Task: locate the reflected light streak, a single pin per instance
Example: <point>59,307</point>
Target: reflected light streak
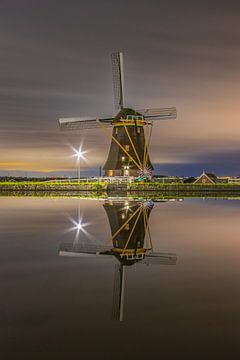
<point>79,226</point>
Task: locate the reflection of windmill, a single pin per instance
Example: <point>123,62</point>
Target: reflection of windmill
<point>131,243</point>
<point>132,129</point>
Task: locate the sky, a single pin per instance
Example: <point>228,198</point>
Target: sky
<point>55,62</point>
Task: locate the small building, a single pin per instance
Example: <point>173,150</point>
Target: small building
<point>189,180</point>
<point>206,178</point>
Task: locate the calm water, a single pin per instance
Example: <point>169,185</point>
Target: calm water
<point>167,284</point>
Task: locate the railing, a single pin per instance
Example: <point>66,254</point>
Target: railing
<point>115,179</point>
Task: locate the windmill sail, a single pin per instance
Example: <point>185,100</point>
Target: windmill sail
<point>159,113</point>
<point>129,150</point>
<point>81,123</point>
<point>118,85</point>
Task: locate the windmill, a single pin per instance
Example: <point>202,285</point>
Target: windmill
<point>131,129</point>
<point>131,244</point>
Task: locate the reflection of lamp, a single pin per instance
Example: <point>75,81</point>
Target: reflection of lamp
<point>79,226</point>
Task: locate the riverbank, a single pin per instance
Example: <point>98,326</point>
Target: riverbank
<point>44,186</point>
<point>106,189</point>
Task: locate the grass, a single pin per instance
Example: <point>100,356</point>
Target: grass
<point>35,185</point>
<point>102,186</point>
<point>161,185</point>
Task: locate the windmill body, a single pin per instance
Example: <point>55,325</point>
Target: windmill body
<point>131,130</point>
<point>128,130</point>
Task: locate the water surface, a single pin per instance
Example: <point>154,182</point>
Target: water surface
<point>59,300</point>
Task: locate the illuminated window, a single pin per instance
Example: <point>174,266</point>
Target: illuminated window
<point>138,130</point>
<point>126,147</point>
<point>116,131</point>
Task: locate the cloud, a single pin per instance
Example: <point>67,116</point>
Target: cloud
<point>55,63</point>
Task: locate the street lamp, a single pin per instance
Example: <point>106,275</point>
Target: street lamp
<point>79,154</point>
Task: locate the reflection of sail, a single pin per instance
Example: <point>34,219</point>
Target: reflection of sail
<point>130,243</point>
<point>79,250</point>
<point>118,292</point>
<point>119,281</point>
<point>130,227</point>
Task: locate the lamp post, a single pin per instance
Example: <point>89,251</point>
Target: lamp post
<point>79,155</point>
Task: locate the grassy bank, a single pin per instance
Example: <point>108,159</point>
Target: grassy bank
<point>175,187</point>
<point>52,186</point>
<point>135,187</point>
